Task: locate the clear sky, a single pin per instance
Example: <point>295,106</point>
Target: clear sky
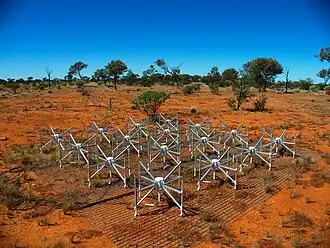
<point>200,34</point>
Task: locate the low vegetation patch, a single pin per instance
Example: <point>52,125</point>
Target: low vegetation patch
<point>268,240</point>
<point>74,199</point>
<point>10,194</point>
<point>296,219</point>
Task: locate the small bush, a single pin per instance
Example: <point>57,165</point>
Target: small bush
<point>193,110</point>
<point>314,88</point>
<point>31,215</point>
<point>191,88</point>
<point>187,90</point>
<point>260,103</point>
<point>218,232</point>
<point>298,242</point>
<point>308,199</point>
<point>269,241</point>
<point>10,194</point>
<point>297,219</point>
<point>44,222</point>
<point>74,199</point>
<point>326,88</point>
<point>150,101</point>
<point>208,216</point>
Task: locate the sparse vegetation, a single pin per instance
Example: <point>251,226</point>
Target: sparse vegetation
<point>268,240</point>
<point>208,216</point>
<point>260,103</point>
<point>296,219</point>
<point>74,199</point>
<point>10,194</point>
<point>241,90</point>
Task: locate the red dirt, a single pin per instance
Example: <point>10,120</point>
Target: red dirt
<point>22,117</point>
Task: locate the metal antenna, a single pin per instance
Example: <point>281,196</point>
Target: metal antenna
<point>233,137</point>
<point>219,164</point>
<point>169,123</point>
<point>102,132</point>
<point>56,139</point>
<point>210,140</point>
<point>203,128</point>
<point>78,149</point>
<point>116,164</point>
<point>148,182</point>
<point>156,149</point>
<point>274,144</point>
<point>253,151</point>
<point>137,131</point>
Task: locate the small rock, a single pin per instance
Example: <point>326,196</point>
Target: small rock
<point>3,138</point>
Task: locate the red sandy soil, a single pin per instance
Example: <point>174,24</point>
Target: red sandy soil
<point>21,118</point>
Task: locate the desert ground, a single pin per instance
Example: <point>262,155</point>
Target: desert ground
<point>296,213</point>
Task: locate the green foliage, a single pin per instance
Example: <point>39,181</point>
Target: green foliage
<point>76,69</point>
<point>213,79</point>
<point>263,70</point>
<point>230,75</point>
<point>324,54</point>
<point>191,88</point>
<point>150,101</point>
<point>173,71</point>
<point>101,75</point>
<point>241,90</point>
<point>260,103</point>
<point>304,84</point>
<point>325,75</point>
<point>115,69</point>
<point>327,87</point>
<point>314,88</point>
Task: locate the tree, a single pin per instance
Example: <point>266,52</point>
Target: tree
<point>173,71</point>
<point>229,75</point>
<point>130,78</point>
<point>241,90</point>
<point>76,69</point>
<point>30,79</point>
<point>325,75</point>
<point>101,75</point>
<point>115,69</point>
<point>263,70</point>
<point>150,101</point>
<point>286,73</point>
<point>324,54</point>
<point>213,79</point>
<point>49,75</point>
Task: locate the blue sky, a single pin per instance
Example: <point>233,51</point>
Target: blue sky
<point>200,34</point>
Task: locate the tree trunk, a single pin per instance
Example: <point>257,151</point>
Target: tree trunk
<point>286,86</point>
<point>115,81</point>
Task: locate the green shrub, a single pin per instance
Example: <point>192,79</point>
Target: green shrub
<point>327,87</point>
<point>314,88</point>
<point>150,101</point>
<point>260,103</point>
<point>187,90</point>
<point>191,88</point>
